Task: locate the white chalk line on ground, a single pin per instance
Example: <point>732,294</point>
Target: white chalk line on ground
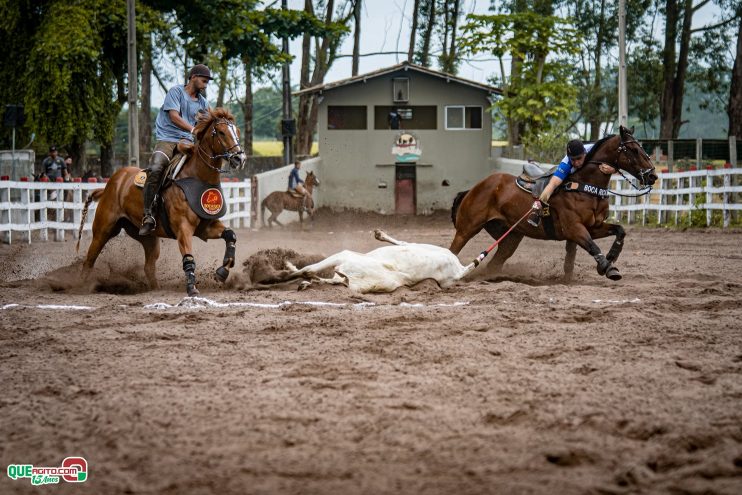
<point>48,306</point>
<point>203,303</point>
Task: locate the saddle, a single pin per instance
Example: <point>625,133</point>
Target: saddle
<point>294,194</point>
<point>533,179</point>
<point>171,172</point>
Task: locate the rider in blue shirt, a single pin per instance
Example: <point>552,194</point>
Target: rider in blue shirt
<point>175,122</point>
<point>295,182</point>
<point>573,160</point>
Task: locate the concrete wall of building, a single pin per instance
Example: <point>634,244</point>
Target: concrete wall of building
<point>357,162</point>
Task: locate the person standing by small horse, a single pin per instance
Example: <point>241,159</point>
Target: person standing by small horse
<point>175,122</point>
<point>296,185</point>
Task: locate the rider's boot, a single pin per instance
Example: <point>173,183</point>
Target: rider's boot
<point>156,166</point>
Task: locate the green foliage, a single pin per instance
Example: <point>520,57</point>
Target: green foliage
<point>546,147</point>
<point>539,94</point>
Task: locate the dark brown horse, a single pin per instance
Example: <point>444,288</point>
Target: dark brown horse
<point>277,201</point>
<point>121,202</point>
<point>496,203</point>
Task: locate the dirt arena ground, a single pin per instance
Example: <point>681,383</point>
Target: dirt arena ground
<point>508,384</point>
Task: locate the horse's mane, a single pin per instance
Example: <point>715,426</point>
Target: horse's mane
<point>205,119</point>
<point>595,147</point>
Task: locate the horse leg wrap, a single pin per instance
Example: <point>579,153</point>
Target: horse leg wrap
<point>189,267</point>
<point>603,263</point>
<point>615,250</point>
<point>229,254</point>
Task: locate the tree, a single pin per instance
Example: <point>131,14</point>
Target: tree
<point>734,108</point>
<point>428,21</point>
<point>449,57</point>
<point>326,43</point>
<point>597,20</point>
<point>356,35</point>
<point>676,54</point>
<point>413,31</point>
<point>537,94</point>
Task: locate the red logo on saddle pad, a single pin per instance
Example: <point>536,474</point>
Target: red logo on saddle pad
<point>212,201</point>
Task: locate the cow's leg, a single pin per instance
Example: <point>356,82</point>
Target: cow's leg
<point>312,270</point>
<point>382,236</point>
<point>337,279</point>
<point>586,242</point>
<point>569,260</point>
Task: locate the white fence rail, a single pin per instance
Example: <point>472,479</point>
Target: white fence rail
<point>31,210</point>
<point>677,196</point>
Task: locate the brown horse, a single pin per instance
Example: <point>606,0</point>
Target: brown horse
<point>277,201</point>
<point>122,204</point>
<point>496,203</point>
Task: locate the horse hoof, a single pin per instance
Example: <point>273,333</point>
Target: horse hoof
<point>613,274</point>
<point>221,274</point>
<point>193,292</point>
<point>304,285</point>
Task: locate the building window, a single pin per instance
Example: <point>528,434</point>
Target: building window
<point>400,90</point>
<point>346,117</point>
<point>406,117</point>
<point>461,117</point>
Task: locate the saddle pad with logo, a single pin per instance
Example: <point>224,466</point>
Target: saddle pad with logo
<point>206,200</point>
<point>170,173</point>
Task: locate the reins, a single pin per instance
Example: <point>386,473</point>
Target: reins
<point>622,148</point>
<point>226,154</point>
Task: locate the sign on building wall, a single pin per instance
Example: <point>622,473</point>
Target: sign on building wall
<point>406,148</point>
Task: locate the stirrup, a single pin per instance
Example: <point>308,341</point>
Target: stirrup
<point>149,224</point>
<point>534,218</point>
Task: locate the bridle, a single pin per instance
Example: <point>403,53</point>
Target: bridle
<point>643,173</point>
<point>227,152</point>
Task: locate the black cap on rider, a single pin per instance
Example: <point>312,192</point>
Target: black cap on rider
<point>200,70</point>
<point>575,148</point>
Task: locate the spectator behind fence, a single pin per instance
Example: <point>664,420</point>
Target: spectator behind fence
<point>68,166</point>
<point>53,165</point>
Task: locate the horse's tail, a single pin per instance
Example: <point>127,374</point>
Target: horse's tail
<point>93,196</point>
<point>456,203</point>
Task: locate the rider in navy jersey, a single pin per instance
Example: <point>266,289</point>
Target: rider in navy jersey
<point>573,160</point>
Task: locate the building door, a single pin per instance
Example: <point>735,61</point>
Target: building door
<point>405,198</point>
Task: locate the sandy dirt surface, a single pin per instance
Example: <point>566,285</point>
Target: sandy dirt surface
<point>514,383</point>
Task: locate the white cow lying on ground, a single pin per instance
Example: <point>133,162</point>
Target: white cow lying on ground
<point>387,268</point>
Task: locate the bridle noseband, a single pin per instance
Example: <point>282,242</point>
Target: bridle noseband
<point>643,173</point>
<point>227,153</point>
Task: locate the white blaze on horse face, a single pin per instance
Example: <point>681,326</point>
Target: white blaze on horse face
<point>233,132</point>
<point>387,268</point>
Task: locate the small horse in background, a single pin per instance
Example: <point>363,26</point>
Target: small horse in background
<point>122,202</point>
<point>277,201</point>
<point>577,215</point>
